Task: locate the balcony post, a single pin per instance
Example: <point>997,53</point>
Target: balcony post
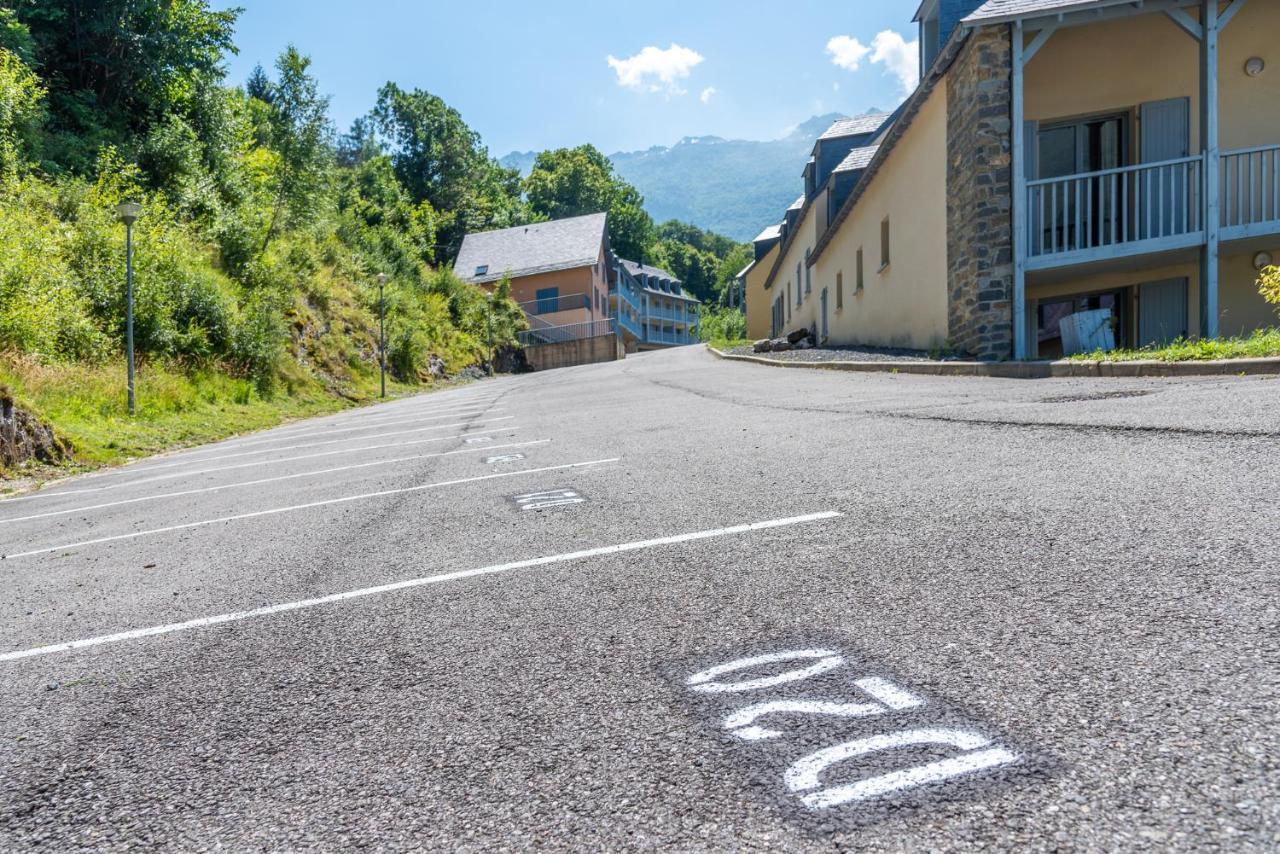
<point>1019,202</point>
<point>1212,168</point>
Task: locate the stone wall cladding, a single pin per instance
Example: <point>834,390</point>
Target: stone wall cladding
<point>980,196</point>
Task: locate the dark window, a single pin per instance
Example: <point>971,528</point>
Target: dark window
<point>884,243</point>
<point>839,290</point>
<point>858,281</point>
<point>548,300</point>
<point>482,270</point>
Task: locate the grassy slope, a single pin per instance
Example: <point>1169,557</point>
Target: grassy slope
<point>1262,344</point>
<point>87,406</point>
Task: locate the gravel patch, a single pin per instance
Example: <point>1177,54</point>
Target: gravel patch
<point>839,354</point>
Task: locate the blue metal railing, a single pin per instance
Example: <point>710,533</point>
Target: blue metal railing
<point>567,332</point>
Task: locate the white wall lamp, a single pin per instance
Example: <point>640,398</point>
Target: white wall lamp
<point>1254,66</point>
<point>1263,260</point>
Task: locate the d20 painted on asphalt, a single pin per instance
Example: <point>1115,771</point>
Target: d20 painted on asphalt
<point>837,740</point>
<point>548,499</point>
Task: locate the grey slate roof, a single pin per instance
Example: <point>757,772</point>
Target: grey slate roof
<point>797,204</point>
<point>856,126</point>
<point>544,247</point>
<point>996,11</point>
<point>773,232</point>
<point>637,269</point>
<point>859,158</point>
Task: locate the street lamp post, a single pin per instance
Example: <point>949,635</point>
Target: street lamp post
<point>489,324</point>
<point>129,213</point>
<point>382,331</point>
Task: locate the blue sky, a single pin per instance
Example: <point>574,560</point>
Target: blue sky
<point>530,76</point>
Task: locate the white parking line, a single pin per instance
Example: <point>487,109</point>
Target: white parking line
<point>261,481</point>
<point>237,616</point>
<point>254,464</point>
<point>277,510</point>
<point>288,437</point>
<point>304,446</point>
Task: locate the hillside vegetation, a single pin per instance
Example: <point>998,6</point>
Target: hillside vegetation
<point>261,231</point>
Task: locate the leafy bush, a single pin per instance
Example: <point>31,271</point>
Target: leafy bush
<point>1269,285</point>
<point>726,324</point>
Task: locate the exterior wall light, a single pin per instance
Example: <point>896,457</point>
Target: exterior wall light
<point>1254,66</point>
<point>1262,260</point>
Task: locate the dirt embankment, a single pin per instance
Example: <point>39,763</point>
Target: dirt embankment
<point>25,438</point>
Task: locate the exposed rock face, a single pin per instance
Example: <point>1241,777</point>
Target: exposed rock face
<point>25,438</point>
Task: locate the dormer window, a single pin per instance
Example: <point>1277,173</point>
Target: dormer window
<point>482,270</point>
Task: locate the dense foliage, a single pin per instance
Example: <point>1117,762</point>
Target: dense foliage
<point>1269,284</point>
<point>262,230</point>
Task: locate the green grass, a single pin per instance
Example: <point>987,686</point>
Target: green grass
<point>1262,344</point>
<point>87,405</point>
<point>726,343</point>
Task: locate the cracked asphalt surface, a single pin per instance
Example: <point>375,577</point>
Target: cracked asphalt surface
<point>1082,571</point>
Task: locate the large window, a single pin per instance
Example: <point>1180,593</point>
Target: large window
<point>548,300</point>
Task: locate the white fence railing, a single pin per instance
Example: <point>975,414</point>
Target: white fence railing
<point>1250,186</point>
<point>1112,207</point>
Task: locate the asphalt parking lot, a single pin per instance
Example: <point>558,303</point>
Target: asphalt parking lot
<point>667,602</point>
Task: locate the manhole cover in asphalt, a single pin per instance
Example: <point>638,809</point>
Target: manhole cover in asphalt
<point>837,741</point>
<point>547,500</point>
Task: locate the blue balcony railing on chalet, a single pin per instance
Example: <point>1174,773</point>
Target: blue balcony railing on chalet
<point>568,332</point>
<point>1111,212</point>
<point>1149,207</point>
<point>1250,192</point>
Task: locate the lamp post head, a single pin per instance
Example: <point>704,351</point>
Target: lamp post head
<point>382,279</point>
<point>128,212</point>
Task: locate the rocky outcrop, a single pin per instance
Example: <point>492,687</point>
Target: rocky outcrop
<point>25,438</point>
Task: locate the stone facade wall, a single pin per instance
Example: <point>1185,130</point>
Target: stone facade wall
<point>980,196</point>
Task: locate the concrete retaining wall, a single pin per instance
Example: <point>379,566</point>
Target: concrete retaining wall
<point>567,354</point>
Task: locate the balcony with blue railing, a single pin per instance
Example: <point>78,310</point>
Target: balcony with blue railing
<point>1149,207</point>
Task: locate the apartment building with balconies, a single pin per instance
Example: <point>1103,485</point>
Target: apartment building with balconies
<point>1058,156</point>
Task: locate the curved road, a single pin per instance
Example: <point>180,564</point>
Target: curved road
<point>670,602</point>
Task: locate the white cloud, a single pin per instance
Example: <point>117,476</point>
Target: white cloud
<point>707,94</point>
<point>899,57</point>
<point>656,70</point>
<point>847,52</point>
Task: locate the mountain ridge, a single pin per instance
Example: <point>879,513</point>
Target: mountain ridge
<point>734,187</point>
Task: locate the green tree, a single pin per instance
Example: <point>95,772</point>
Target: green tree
<point>300,136</point>
<point>576,181</point>
<point>20,111</point>
<point>440,160</point>
<point>695,268</point>
<point>115,67</point>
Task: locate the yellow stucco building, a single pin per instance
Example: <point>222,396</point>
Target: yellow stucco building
<point>1059,157</point>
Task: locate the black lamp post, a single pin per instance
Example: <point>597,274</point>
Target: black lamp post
<point>382,331</point>
<point>129,213</point>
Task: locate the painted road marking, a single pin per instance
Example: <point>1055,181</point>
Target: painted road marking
<point>236,616</point>
<point>887,740</point>
<point>303,447</point>
<point>479,440</point>
<point>547,500</point>
<point>258,482</point>
<point>255,464</point>
<point>329,502</point>
<point>805,774</point>
<point>889,696</point>
<point>396,422</point>
<point>704,682</point>
<point>504,458</point>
